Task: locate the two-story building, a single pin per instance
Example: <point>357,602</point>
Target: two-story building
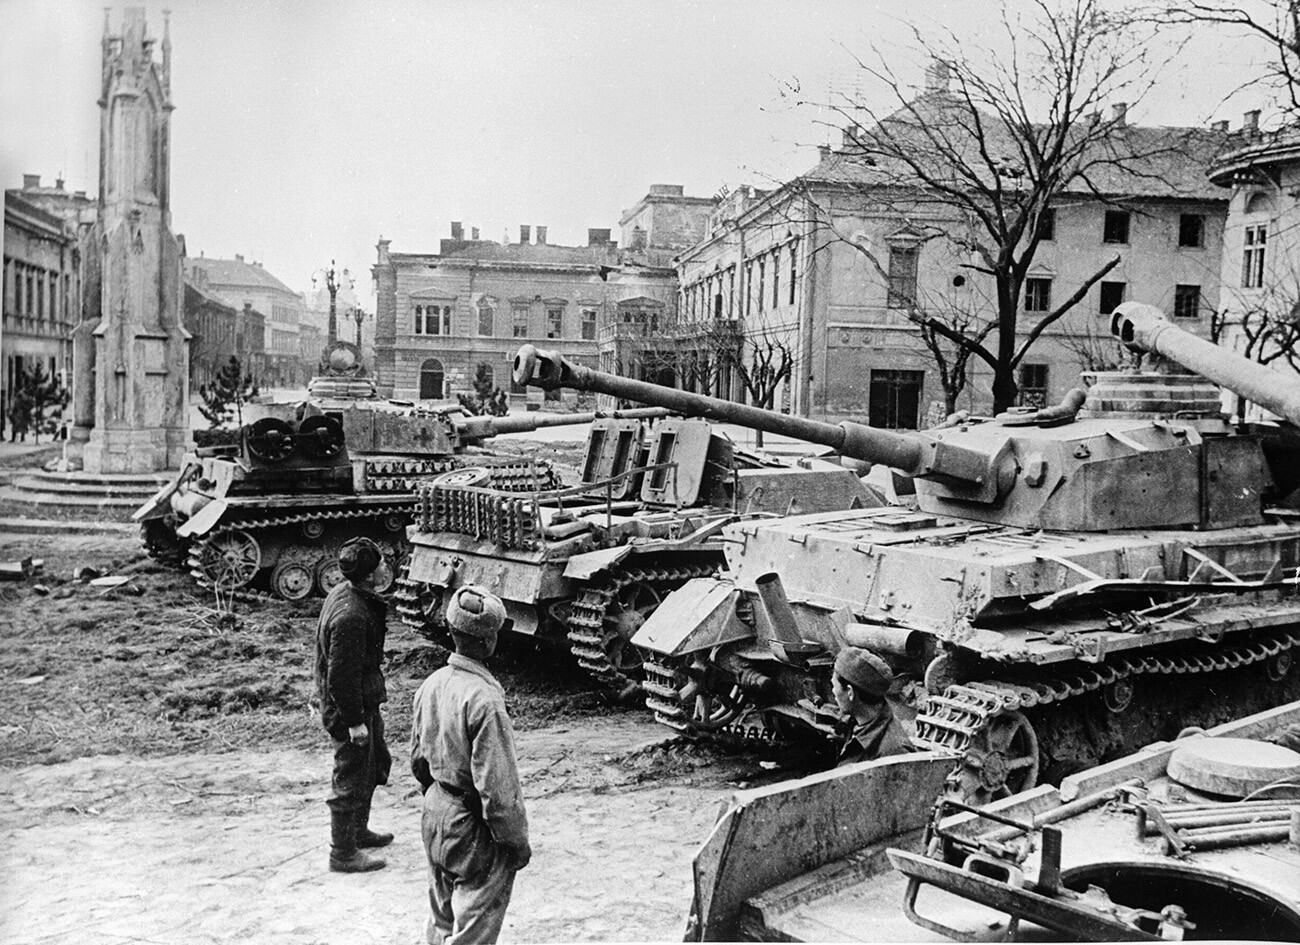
<point>832,271</point>
<point>440,315</point>
<point>42,283</point>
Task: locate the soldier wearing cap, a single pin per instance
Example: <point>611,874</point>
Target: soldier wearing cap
<point>860,680</point>
<point>350,687</point>
<point>463,754</point>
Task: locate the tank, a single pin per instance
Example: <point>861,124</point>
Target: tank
<point>267,514</point>
<point>583,567</point>
<point>1067,585</point>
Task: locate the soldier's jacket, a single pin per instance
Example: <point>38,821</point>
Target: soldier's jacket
<point>876,738</point>
<point>461,736</point>
<point>349,656</point>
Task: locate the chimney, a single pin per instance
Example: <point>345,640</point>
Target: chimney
<point>457,231</point>
<point>58,183</point>
<point>1250,122</point>
<point>666,190</point>
<point>238,258</point>
<point>823,152</point>
<point>80,193</point>
<point>1119,114</point>
<point>541,236</point>
<point>473,233</point>
<point>1220,126</point>
<point>525,234</point>
<point>31,181</point>
<point>936,77</point>
<point>597,237</point>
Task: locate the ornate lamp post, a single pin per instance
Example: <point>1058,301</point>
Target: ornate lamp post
<point>334,280</point>
<point>360,315</point>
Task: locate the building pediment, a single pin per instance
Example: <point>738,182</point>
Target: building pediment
<point>640,301</point>
<point>432,294</point>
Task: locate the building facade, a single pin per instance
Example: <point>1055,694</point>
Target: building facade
<point>42,289</point>
<point>1259,313</point>
<point>239,284</point>
<point>212,326</point>
<point>830,273</point>
<point>440,315</point>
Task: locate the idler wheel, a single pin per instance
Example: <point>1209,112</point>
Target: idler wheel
<point>321,437</point>
<point>231,559</point>
<point>292,580</point>
<point>1002,759</point>
<point>270,440</point>
<point>328,573</point>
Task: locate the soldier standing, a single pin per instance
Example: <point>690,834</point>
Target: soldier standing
<point>463,754</point>
<point>350,686</point>
<point>859,682</point>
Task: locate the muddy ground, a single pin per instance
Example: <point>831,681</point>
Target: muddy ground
<point>162,777</point>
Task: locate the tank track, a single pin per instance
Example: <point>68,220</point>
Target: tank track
<point>243,591</point>
<point>586,620</point>
<point>950,721</point>
<point>162,544</point>
<point>406,601</point>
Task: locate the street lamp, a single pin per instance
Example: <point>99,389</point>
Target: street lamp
<point>334,280</point>
<point>360,314</point>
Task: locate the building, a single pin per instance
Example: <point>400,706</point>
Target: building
<point>1259,310</point>
<point>440,315</point>
<point>239,283</point>
<point>792,270</point>
<point>42,284</point>
<point>212,327</point>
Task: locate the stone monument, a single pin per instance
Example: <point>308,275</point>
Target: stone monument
<point>130,351</point>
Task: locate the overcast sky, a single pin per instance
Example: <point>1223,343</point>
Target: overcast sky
<point>306,129</point>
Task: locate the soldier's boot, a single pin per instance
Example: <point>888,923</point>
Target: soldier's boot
<point>365,837</point>
<point>344,855</point>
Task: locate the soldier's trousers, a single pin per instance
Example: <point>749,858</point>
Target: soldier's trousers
<point>470,879</point>
<point>358,768</point>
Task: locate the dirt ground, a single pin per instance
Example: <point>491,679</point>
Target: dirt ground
<point>162,777</point>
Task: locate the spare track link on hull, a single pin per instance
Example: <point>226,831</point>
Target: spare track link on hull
<point>242,590</point>
<point>588,637</point>
<point>956,719</point>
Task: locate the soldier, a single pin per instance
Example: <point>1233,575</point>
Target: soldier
<point>463,754</point>
<point>350,685</point>
<point>859,681</point>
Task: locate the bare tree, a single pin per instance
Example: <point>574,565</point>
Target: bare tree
<point>1275,23</point>
<point>999,139</point>
<point>1266,330</point>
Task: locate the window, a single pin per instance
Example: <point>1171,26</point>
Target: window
<point>794,267</point>
<point>1116,227</point>
<point>1252,261</point>
<point>431,380</point>
<point>1033,385</point>
<point>776,278</point>
<point>519,321</point>
<point>1187,301</point>
<point>717,306</point>
<point>588,324</point>
<point>429,319</point>
<point>1191,230</point>
<point>1046,226</point>
<point>1112,294</point>
<point>555,323</point>
<point>895,399</point>
<point>902,277</point>
<point>486,317</point>
<point>762,278</point>
<point>1038,295</point>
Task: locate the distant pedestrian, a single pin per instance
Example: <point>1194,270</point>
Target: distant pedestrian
<point>859,682</point>
<point>474,827</point>
<point>350,685</point>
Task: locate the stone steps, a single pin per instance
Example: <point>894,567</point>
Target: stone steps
<point>80,494</point>
<point>66,500</point>
<point>64,484</point>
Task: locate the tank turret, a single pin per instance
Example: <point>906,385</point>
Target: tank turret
<point>1045,468</point>
<point>1074,582</point>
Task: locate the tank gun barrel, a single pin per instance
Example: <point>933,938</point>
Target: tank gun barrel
<point>481,428</point>
<point>1145,328</point>
<point>909,453</point>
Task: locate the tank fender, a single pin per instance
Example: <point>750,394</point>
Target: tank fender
<point>699,615</point>
<point>205,520</point>
<point>585,566</point>
<point>160,504</point>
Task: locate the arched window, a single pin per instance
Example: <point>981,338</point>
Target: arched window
<point>431,380</point>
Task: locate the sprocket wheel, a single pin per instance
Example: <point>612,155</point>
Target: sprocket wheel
<point>230,559</point>
<point>624,615</point>
<point>1001,759</point>
<point>692,696</point>
<point>292,580</point>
